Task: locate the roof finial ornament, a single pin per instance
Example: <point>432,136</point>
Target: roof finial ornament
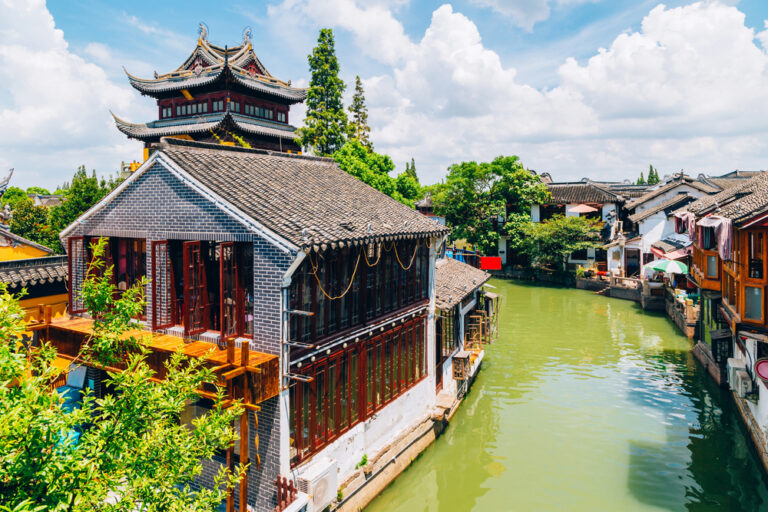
<point>4,182</point>
<point>203,31</point>
<point>247,36</point>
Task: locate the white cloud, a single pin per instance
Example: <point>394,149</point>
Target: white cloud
<point>525,13</point>
<point>55,112</point>
<point>688,90</point>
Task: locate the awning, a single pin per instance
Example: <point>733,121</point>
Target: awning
<point>582,208</point>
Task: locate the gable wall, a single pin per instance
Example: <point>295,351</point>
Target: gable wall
<point>158,206</point>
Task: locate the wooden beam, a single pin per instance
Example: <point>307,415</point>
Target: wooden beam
<point>244,437</point>
<point>233,373</point>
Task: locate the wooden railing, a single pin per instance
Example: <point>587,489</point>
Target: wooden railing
<point>286,493</point>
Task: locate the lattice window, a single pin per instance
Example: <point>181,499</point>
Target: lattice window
<point>77,272</point>
<point>163,299</point>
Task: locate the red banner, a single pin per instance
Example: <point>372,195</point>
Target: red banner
<point>490,263</point>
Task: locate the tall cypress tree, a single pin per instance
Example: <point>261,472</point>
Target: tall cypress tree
<point>358,125</point>
<point>325,126</point>
<point>410,169</point>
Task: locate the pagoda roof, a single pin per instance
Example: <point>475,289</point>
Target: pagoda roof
<point>203,123</point>
<point>209,63</point>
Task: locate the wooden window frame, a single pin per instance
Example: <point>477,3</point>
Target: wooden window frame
<point>73,295</point>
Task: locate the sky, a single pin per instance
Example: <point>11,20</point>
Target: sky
<point>576,88</point>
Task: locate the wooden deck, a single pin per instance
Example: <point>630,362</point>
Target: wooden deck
<point>67,334</point>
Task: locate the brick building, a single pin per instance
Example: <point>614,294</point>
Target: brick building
<point>296,260</point>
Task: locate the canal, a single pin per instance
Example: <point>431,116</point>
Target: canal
<point>585,403</point>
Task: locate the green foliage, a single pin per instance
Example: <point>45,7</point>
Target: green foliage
<point>363,462</point>
<point>410,169</point>
<point>325,124</point>
<point>653,176</point>
<point>640,180</point>
<point>580,272</point>
<point>133,452</point>
<point>551,242</point>
<point>475,195</point>
<point>38,190</point>
<point>33,223</point>
<point>358,125</point>
<point>374,168</point>
<point>12,196</point>
<point>408,187</point>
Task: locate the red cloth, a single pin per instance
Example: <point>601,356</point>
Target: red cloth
<point>490,263</point>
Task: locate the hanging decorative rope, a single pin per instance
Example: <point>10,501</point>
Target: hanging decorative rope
<point>320,286</point>
<point>413,257</point>
<point>365,253</point>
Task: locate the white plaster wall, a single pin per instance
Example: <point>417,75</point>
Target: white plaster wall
<point>370,436</point>
<point>614,265</point>
<point>535,213</point>
<point>449,384</point>
<point>655,228</point>
<point>568,212</point>
<point>607,208</point>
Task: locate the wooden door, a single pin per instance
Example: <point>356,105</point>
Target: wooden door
<point>231,297</point>
<point>196,318</point>
<point>439,334</point>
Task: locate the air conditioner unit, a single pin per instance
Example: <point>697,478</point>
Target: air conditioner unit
<point>743,383</point>
<point>320,481</point>
<point>734,365</point>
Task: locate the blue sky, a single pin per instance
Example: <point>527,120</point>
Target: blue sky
<point>683,85</point>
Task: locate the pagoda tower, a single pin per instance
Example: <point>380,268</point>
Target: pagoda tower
<point>220,95</point>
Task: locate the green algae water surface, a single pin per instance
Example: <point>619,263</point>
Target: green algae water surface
<point>585,403</point>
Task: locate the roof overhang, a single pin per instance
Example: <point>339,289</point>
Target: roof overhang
<point>231,210</point>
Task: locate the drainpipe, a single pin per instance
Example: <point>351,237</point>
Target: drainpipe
<point>285,352</point>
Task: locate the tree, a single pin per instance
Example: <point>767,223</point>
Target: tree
<point>124,452</point>
<point>410,170</point>
<point>325,124</point>
<point>551,242</point>
<point>640,180</point>
<point>653,175</point>
<point>374,168</point>
<point>466,202</point>
<point>38,190</point>
<point>33,223</point>
<point>84,191</point>
<point>12,196</point>
<point>476,195</point>
<point>358,125</point>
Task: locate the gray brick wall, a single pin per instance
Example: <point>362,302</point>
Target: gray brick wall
<point>269,265</point>
<point>262,493</point>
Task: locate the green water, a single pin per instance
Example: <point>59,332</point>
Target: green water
<point>585,403</point>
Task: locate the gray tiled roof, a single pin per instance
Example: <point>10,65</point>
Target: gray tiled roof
<point>455,280</point>
<point>581,192</point>
<point>31,272</point>
<point>202,124</point>
<point>190,80</point>
<point>737,203</point>
<point>668,245</point>
<point>307,200</point>
<point>671,203</point>
<point>676,182</point>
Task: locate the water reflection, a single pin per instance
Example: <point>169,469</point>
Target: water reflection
<point>586,403</point>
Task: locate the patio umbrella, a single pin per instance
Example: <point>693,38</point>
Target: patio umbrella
<point>668,266</point>
<point>582,208</point>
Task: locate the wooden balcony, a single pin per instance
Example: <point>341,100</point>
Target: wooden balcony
<point>261,371</point>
